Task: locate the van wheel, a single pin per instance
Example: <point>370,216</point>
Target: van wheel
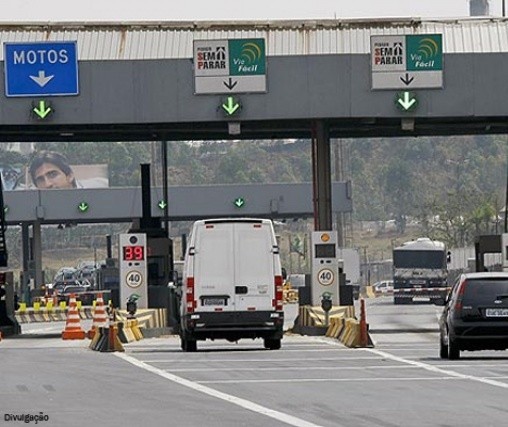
<point>272,344</point>
<point>188,345</point>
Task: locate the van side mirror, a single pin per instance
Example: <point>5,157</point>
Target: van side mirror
<point>448,257</point>
<point>284,273</point>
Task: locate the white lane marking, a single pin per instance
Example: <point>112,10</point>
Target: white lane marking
<point>328,368</point>
<point>331,380</point>
<point>314,359</point>
<point>251,406</point>
<point>292,368</point>
<point>438,370</point>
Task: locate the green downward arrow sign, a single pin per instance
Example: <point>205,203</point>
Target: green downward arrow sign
<point>406,101</point>
<point>231,106</point>
<point>42,110</point>
<point>162,204</point>
<point>83,207</point>
<point>239,202</point>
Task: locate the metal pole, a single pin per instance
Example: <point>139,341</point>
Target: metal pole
<point>164,147</point>
<point>504,8</point>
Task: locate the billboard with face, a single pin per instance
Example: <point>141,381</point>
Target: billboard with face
<point>46,169</point>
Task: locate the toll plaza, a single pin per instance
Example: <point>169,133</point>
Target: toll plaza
<point>192,81</point>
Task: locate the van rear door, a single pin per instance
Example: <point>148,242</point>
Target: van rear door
<point>214,267</point>
<point>254,266</point>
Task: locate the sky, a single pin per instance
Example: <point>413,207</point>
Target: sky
<point>199,10</point>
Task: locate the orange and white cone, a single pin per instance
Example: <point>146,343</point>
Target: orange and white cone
<point>100,318</point>
<point>73,330</point>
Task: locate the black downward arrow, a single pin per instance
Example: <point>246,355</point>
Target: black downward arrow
<point>407,81</point>
<point>230,85</point>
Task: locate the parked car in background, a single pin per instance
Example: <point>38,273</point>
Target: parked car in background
<point>475,315</point>
<point>64,277</point>
<point>383,287</point>
<point>85,272</point>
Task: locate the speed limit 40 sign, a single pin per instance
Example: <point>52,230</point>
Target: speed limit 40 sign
<point>325,277</point>
<point>134,279</point>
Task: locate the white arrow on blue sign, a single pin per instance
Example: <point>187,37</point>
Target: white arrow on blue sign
<point>41,69</point>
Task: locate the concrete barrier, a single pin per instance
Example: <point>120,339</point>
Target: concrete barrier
<point>38,314</point>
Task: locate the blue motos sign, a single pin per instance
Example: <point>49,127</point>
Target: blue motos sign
<point>41,69</point>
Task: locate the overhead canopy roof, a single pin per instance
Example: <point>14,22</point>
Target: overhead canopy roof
<point>172,40</point>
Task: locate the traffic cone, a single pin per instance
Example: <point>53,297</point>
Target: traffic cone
<point>100,318</point>
<point>73,330</point>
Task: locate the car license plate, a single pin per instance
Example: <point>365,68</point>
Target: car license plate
<point>214,301</point>
<point>496,312</point>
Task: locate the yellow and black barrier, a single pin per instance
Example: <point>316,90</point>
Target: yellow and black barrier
<point>315,316</point>
<point>147,318</point>
<point>128,331</point>
<point>107,340</point>
<point>352,332</point>
<point>49,313</point>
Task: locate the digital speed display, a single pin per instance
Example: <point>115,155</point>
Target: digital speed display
<point>325,250</point>
<point>133,253</point>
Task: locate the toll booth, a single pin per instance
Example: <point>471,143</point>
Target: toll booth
<point>491,243</point>
<point>8,301</point>
<point>108,279</point>
<point>160,267</point>
<point>325,267</point>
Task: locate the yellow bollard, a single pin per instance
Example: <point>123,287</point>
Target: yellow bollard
<point>22,307</point>
<point>49,306</point>
<point>37,306</point>
<point>63,305</point>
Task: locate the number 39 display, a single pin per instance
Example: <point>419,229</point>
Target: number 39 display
<point>133,269</point>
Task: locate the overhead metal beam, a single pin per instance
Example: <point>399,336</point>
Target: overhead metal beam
<point>185,203</point>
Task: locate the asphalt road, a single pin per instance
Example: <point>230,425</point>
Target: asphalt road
<point>311,381</point>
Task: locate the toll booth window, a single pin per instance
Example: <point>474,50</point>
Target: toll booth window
<point>156,268</point>
<point>325,251</point>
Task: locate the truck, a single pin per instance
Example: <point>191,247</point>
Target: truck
<point>232,285</point>
<point>420,271</point>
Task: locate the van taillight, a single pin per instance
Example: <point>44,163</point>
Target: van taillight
<point>279,294</point>
<point>191,302</point>
<point>460,295</point>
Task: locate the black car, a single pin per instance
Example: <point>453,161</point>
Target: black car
<point>475,315</point>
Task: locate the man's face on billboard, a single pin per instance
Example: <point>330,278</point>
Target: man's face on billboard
<point>50,176</point>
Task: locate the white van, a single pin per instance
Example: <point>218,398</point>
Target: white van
<point>232,283</point>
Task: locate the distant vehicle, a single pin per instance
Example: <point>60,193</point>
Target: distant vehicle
<point>86,272</point>
<point>475,315</point>
<point>383,287</point>
<point>420,271</point>
<point>64,277</point>
<point>232,283</point>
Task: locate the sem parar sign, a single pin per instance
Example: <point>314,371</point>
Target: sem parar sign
<point>407,61</point>
<point>229,66</point>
